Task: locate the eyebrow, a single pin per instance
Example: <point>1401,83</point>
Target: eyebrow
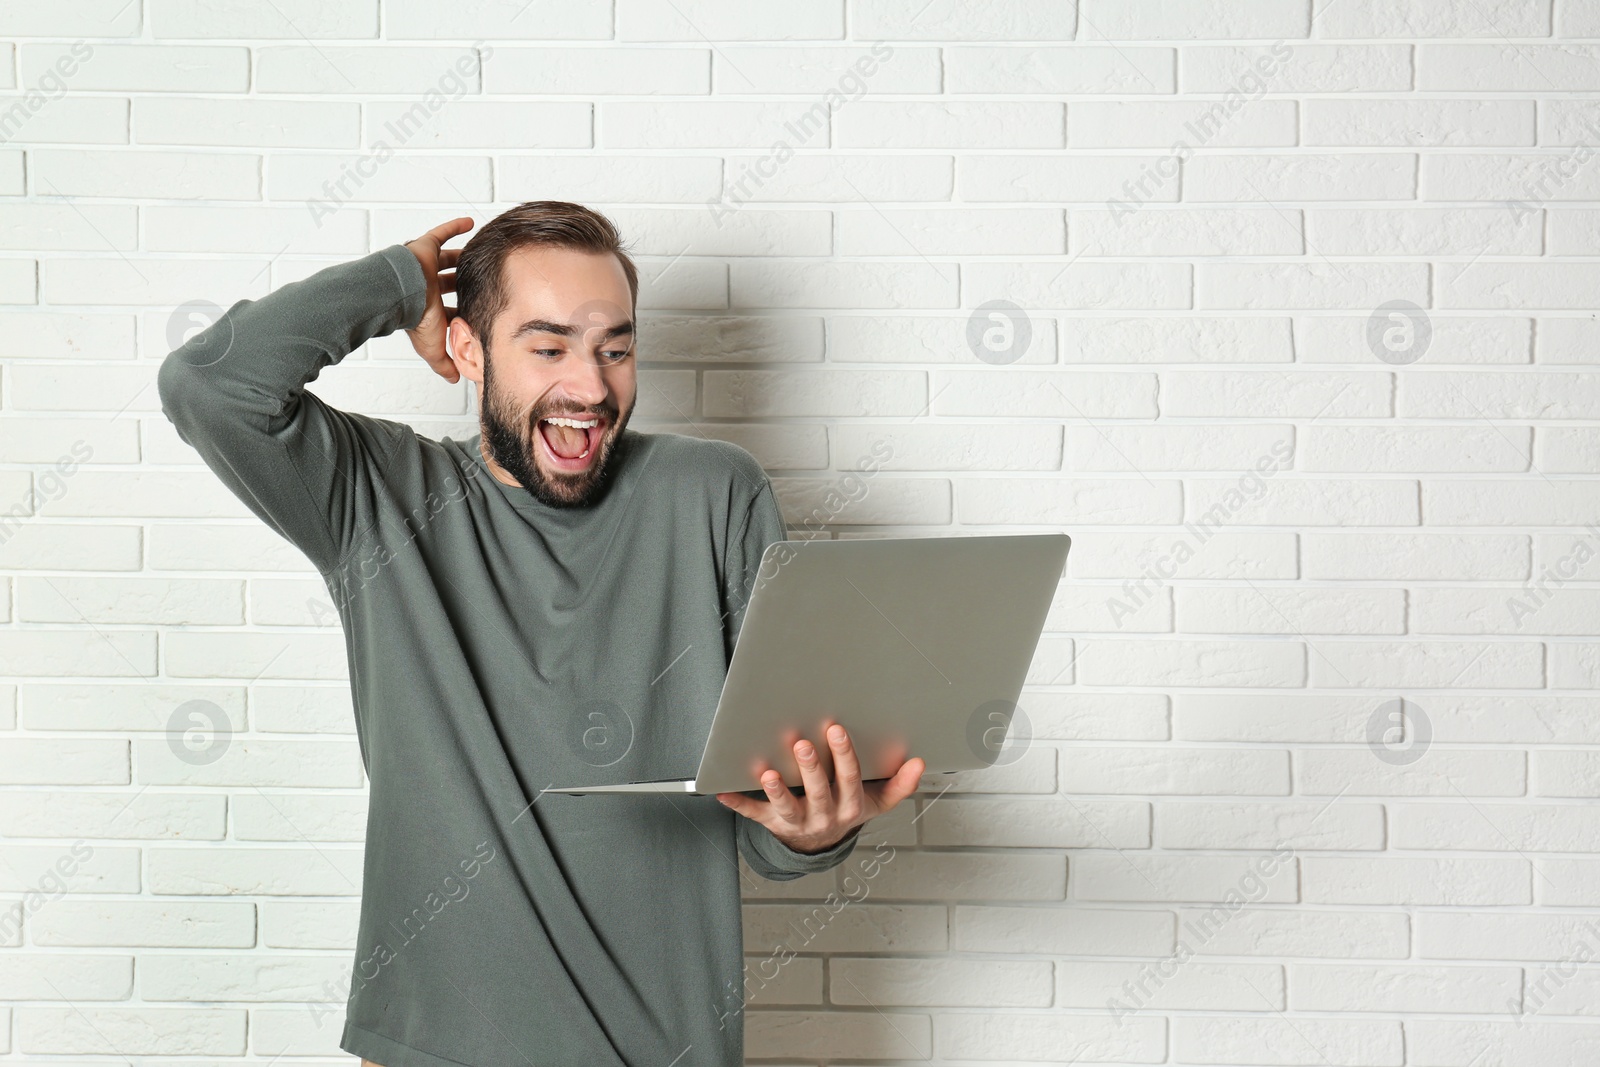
<point>562,329</point>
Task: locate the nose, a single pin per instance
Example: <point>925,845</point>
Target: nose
<point>583,380</point>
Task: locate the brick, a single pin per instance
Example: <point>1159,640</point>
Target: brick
<point>767,1033</point>
<point>93,18</point>
<point>145,68</point>
<point>1022,394</point>
<point>926,983</point>
<point>140,815</point>
<point>1463,664</point>
<point>31,227</point>
<point>1183,878</point>
<point>143,923</point>
<point>251,976</point>
<point>145,174</point>
<point>1276,610</point>
<point>284,18</point>
<point>798,284</point>
<point>1213,502</point>
<point>982,125</point>
<point>1072,69</point>
<point>1460,1042</point>
<point>899,232</point>
<point>1565,773</point>
<point>1309,68</point>
<point>932,339</point>
<point>591,72</point>
<point>1182,231</point>
<point>974,875</point>
<point>1316,176</point>
<point>1254,286</point>
<point>420,19</point>
<point>1031,823</point>
<point>964,20</point>
<point>1250,717</point>
<point>717,20</point>
<point>1196,20</point>
<point>1182,824</point>
<point>748,232</point>
<point>1392,988</point>
<point>1435,772</point>
<point>1164,770</point>
<point>1420,556</point>
<point>1414,231</point>
<point>1400,450</point>
<point>1495,67</point>
<point>1180,662</point>
<point>1307,394</point>
<point>79,976</point>
<point>1278,932</point>
<point>357,70</point>
<point>1029,1037</point>
<point>1144,558</point>
<point>1076,931</point>
<point>1051,501</point>
<point>1055,176</point>
<point>215,871</point>
<point>1513,827</point>
<point>131,707</point>
<point>1310,1042</point>
<point>1192,986</point>
<point>593,177</point>
<point>1208,123</point>
<point>1437,18</point>
<point>132,1031</point>
<point>862,927</point>
<point>1096,716</point>
<point>1405,880</point>
<point>1430,123</point>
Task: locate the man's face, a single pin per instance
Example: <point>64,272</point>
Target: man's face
<point>561,350</point>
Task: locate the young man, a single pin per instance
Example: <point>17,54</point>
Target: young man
<point>550,602</point>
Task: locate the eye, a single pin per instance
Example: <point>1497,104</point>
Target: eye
<point>618,357</point>
<point>547,351</point>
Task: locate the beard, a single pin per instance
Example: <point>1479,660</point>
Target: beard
<point>509,437</point>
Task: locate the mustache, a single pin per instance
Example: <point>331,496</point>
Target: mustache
<point>532,413</point>
<point>577,412</point>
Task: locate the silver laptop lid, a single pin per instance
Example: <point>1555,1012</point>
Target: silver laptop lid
<point>914,644</point>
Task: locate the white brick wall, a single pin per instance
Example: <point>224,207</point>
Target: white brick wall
<point>1291,518</point>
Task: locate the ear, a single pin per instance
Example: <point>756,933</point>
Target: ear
<point>464,349</point>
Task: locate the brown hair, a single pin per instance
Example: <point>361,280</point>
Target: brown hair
<point>480,285</point>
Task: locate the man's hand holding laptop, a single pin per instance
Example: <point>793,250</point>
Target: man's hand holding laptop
<point>828,811</point>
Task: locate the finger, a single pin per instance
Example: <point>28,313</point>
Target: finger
<point>447,282</point>
<point>819,795</point>
<point>847,794</point>
<point>901,785</point>
<point>446,230</point>
<point>449,257</point>
<point>782,802</point>
<point>429,344</point>
<point>445,367</point>
<point>749,807</point>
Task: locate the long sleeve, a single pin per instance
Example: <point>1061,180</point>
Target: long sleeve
<point>767,856</point>
<point>236,394</point>
<point>777,862</point>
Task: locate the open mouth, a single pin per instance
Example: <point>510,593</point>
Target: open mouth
<point>570,441</point>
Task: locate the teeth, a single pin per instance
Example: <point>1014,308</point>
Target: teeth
<point>574,423</point>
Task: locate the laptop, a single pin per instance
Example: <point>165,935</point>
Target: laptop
<point>918,646</point>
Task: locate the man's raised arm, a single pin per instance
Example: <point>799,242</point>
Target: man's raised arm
<point>236,391</point>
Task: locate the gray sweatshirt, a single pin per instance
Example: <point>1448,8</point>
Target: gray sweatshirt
<point>498,646</point>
